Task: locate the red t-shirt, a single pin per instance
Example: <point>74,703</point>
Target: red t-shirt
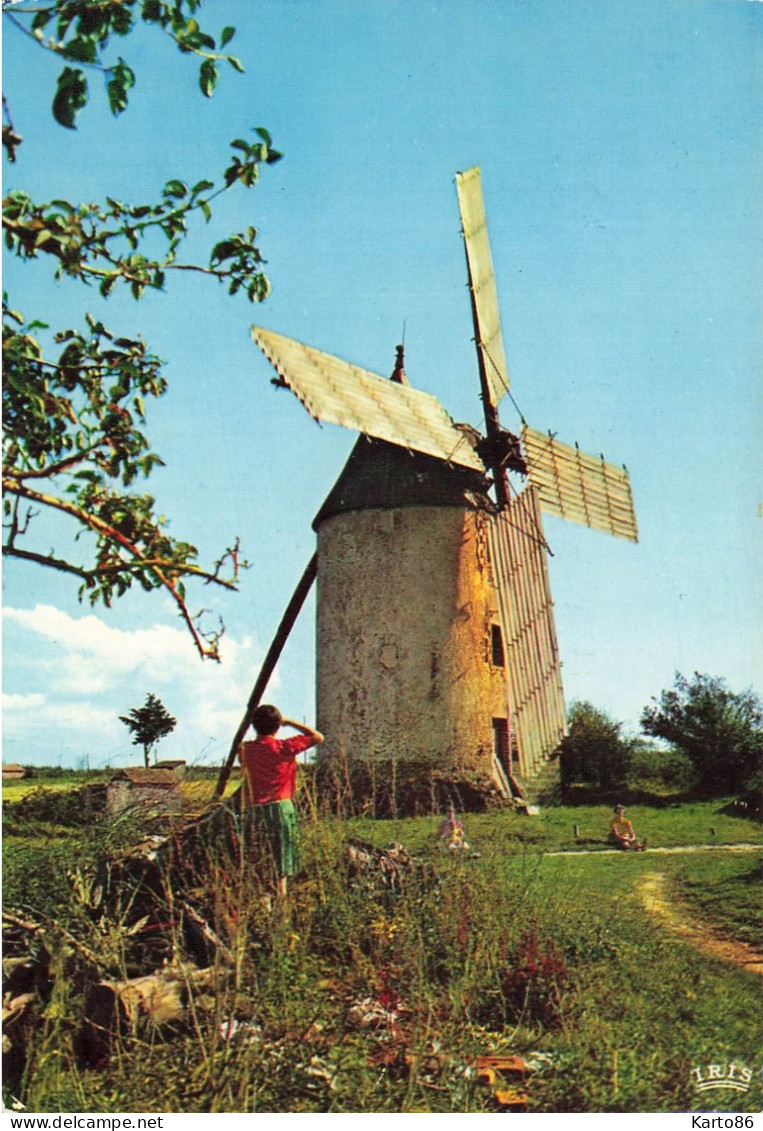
<point>269,766</point>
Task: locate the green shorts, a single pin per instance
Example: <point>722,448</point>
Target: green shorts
<point>278,824</point>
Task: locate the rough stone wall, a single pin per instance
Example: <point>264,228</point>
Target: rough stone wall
<point>123,795</point>
<point>405,604</point>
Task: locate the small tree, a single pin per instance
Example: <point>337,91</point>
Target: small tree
<point>149,724</point>
<point>720,730</point>
<point>594,750</point>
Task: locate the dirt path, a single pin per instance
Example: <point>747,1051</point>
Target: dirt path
<point>654,890</point>
<point>669,850</point>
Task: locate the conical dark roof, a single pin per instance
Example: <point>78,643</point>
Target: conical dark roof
<point>383,476</point>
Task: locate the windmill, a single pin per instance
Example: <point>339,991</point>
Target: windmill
<point>436,642</point>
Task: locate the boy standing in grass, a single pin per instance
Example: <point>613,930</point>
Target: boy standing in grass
<point>269,768</point>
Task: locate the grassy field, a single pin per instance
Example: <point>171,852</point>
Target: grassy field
<point>356,998</point>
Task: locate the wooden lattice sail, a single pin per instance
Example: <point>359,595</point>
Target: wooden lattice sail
<point>533,676</point>
<point>580,487</point>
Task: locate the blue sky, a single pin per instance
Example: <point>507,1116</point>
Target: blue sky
<point>620,152</point>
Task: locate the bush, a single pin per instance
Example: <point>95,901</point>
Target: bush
<point>74,808</point>
<point>594,750</point>
<point>660,766</point>
<point>721,731</point>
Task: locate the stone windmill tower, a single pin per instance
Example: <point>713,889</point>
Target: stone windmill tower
<point>436,646</point>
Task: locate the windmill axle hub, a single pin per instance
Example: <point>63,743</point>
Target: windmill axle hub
<point>502,450</point>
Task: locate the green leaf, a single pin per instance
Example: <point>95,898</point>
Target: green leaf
<point>70,97</point>
<point>236,64</point>
<point>226,249</point>
<point>117,97</point>
<point>41,19</point>
<point>227,35</point>
<point>122,21</point>
<point>122,79</point>
<point>151,11</point>
<point>208,75</point>
<point>176,189</point>
<point>80,50</point>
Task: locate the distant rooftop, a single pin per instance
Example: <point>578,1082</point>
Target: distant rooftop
<point>137,775</point>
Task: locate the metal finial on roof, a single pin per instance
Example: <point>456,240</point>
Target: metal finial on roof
<point>398,373</point>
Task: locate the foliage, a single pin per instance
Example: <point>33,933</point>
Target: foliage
<point>83,32</point>
<point>148,724</point>
<point>633,1012</point>
<point>594,750</point>
<point>660,767</point>
<point>74,399</point>
<point>50,834</point>
<point>41,805</point>
<point>751,800</point>
<point>721,731</point>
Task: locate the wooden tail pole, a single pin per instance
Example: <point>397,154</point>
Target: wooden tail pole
<point>268,664</point>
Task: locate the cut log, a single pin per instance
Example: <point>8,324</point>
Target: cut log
<point>155,1000</point>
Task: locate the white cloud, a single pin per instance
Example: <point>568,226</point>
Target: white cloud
<point>79,674</point>
<point>22,702</point>
<point>97,652</point>
<point>57,718</point>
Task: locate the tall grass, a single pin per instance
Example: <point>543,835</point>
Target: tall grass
<point>356,997</point>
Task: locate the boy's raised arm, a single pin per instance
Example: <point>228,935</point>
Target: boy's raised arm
<point>316,735</point>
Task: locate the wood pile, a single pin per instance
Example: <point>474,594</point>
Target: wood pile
<point>149,935</point>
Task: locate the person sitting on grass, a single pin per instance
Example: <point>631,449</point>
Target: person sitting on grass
<point>621,832</point>
<point>452,831</point>
<point>269,770</point>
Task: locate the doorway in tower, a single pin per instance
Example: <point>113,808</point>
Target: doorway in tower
<point>501,743</point>
<point>505,747</point>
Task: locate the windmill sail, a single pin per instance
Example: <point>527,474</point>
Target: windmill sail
<point>487,320</point>
<point>580,487</point>
<point>536,699</point>
<point>339,393</point>
<point>563,481</point>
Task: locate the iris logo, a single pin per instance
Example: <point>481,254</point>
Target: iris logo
<point>729,1075</point>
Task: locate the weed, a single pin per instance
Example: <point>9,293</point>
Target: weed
<point>534,979</point>
<point>364,998</point>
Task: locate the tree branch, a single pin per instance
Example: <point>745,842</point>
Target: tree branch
<point>52,468</point>
<point>11,551</point>
<point>139,563</point>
